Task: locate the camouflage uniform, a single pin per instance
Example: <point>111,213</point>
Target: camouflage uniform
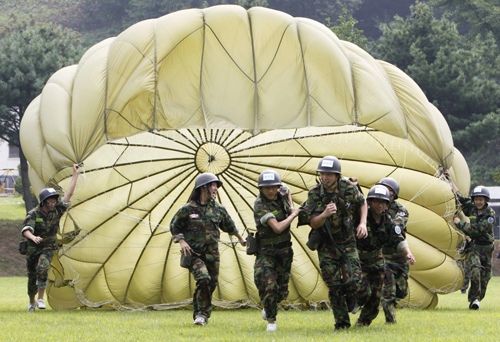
<point>467,274</point>
<point>334,268</point>
<point>384,234</point>
<point>397,266</point>
<point>275,255</point>
<point>39,256</point>
<point>480,230</point>
<point>198,225</point>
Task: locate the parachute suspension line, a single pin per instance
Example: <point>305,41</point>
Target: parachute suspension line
<point>306,78</point>
<point>105,109</point>
<point>255,92</point>
<point>155,75</point>
<point>201,68</point>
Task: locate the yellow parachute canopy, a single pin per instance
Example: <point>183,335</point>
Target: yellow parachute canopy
<point>232,92</point>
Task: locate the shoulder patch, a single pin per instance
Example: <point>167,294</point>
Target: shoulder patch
<point>397,230</point>
<point>491,219</point>
<point>39,219</point>
<point>401,213</point>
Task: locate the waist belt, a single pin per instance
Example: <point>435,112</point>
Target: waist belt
<point>369,254</point>
<point>391,252</point>
<point>274,240</point>
<point>41,244</point>
<point>481,243</point>
<point>482,248</point>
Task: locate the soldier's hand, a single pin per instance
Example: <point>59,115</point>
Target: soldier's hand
<point>411,258</point>
<point>185,248</point>
<point>362,232</point>
<point>295,212</point>
<point>243,242</point>
<point>331,208</point>
<point>37,239</point>
<point>456,220</point>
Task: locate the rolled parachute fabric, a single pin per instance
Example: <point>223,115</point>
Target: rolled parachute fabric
<point>233,92</point>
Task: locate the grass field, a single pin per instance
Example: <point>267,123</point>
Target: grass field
<point>450,321</point>
<point>12,208</point>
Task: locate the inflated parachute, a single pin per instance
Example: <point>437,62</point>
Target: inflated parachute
<point>232,92</point>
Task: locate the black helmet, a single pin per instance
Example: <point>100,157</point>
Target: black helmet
<point>329,164</point>
<point>481,191</point>
<point>391,183</point>
<point>380,192</point>
<point>47,193</point>
<point>206,178</point>
<point>269,178</point>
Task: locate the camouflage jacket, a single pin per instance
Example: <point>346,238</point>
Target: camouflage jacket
<point>199,225</point>
<point>399,214</point>
<point>383,234</point>
<point>353,199</point>
<point>264,209</point>
<point>45,225</point>
<point>480,228</point>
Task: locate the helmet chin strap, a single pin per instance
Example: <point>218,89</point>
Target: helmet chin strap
<point>331,186</point>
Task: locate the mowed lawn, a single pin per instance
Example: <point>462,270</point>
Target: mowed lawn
<point>450,321</point>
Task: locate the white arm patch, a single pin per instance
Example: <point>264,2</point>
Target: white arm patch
<point>28,228</point>
<point>266,217</point>
<point>402,245</point>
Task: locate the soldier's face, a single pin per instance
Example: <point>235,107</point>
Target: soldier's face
<point>50,204</point>
<point>328,179</point>
<point>213,188</point>
<point>378,205</point>
<point>271,192</point>
<point>480,202</point>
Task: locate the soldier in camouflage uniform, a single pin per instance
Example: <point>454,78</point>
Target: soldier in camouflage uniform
<point>334,205</point>
<point>397,265</point>
<point>480,230</point>
<point>382,232</point>
<point>196,227</point>
<point>467,274</point>
<point>40,228</point>
<point>273,213</point>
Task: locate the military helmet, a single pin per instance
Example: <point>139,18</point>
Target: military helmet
<point>391,183</point>
<point>329,164</point>
<point>269,178</point>
<point>206,178</point>
<point>47,193</point>
<point>481,191</point>
<point>380,192</point>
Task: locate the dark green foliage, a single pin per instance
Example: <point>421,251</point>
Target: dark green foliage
<point>345,30</point>
<point>30,53</point>
<point>476,16</point>
<point>315,9</point>
<point>460,76</point>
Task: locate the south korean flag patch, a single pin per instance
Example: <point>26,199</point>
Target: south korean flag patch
<point>401,213</point>
<point>397,230</point>
<point>491,219</point>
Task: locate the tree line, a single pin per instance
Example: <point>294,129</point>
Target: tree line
<point>450,48</point>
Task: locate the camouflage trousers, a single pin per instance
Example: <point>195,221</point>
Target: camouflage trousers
<point>205,271</point>
<point>334,271</point>
<point>467,275</point>
<point>272,275</point>
<point>38,261</point>
<point>397,271</point>
<point>480,264</point>
<point>370,291</point>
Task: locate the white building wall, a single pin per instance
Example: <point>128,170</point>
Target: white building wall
<point>5,161</point>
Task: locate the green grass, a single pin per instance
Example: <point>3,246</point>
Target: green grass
<point>450,321</point>
<point>12,208</point>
